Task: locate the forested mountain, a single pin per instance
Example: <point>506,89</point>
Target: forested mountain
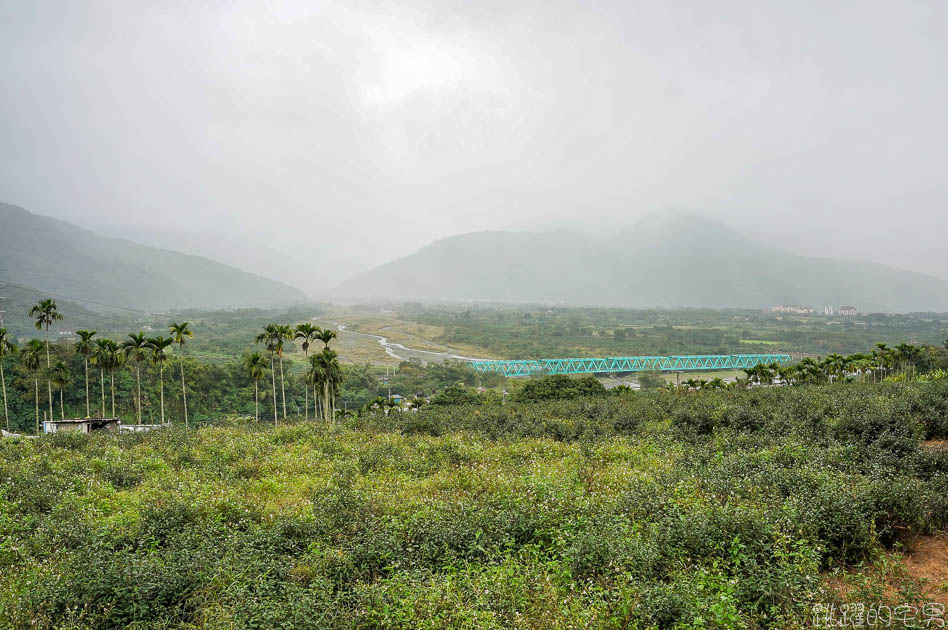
<point>666,261</point>
<point>58,257</point>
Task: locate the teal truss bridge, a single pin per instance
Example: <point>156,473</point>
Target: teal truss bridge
<point>628,364</point>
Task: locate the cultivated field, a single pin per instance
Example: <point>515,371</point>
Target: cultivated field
<point>731,509</point>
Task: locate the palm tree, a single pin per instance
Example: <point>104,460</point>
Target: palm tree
<point>137,347</point>
<point>108,356</point>
<point>908,355</point>
<point>884,357</point>
<point>60,377</point>
<point>100,360</point>
<point>312,378</point>
<point>809,370</point>
<point>31,360</point>
<point>316,375</point>
<point>181,334</point>
<point>834,365</point>
<point>6,347</point>
<point>158,346</point>
<point>327,363</point>
<point>326,335</point>
<point>86,347</point>
<point>45,313</point>
<point>286,334</point>
<point>256,367</point>
<point>271,337</point>
<point>786,374</point>
<point>308,333</point>
<point>752,374</point>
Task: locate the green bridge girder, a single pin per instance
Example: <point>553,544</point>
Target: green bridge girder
<point>528,367</point>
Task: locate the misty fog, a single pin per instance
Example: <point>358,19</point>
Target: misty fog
<point>314,140</point>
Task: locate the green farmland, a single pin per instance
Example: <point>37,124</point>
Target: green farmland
<point>717,509</point>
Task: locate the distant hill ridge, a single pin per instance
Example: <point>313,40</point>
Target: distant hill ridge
<point>60,257</point>
<point>671,260</point>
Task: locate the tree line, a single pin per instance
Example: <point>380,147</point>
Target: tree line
<point>35,361</point>
<point>899,362</point>
<point>106,355</point>
<point>323,373</point>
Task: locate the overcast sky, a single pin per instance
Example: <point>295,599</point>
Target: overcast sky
<point>359,131</point>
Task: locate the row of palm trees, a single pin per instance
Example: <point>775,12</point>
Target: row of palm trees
<point>110,356</point>
<point>323,372</point>
<point>105,354</point>
<point>882,361</point>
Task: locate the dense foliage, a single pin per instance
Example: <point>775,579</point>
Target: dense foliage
<point>531,332</point>
<point>661,509</point>
<point>215,389</point>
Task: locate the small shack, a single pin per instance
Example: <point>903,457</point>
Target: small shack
<point>81,425</point>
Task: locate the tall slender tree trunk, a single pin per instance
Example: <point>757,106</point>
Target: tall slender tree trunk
<point>49,381</point>
<point>62,405</point>
<point>276,420</point>
<point>37,399</point>
<point>161,389</point>
<point>306,388</point>
<point>102,389</point>
<point>256,399</point>
<point>3,383</point>
<point>283,386</point>
<point>138,373</point>
<point>112,379</point>
<point>315,402</point>
<point>184,390</point>
<point>85,360</point>
<point>326,404</point>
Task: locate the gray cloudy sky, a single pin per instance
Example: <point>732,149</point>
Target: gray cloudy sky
<point>359,131</point>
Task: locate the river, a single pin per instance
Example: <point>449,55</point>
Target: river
<point>404,353</point>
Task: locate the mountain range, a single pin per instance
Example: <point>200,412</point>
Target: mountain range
<point>57,257</point>
<point>668,260</point>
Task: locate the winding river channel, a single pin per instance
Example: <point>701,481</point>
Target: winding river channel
<point>403,352</point>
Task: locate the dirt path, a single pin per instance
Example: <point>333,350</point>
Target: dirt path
<point>924,563</point>
<point>927,561</point>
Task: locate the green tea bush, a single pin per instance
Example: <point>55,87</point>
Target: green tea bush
<point>652,509</point>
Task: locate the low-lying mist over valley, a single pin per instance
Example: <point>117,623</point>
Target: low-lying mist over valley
<point>669,260</point>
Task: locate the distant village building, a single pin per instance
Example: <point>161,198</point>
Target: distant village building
<point>792,308</point>
<point>847,311</point>
<point>84,425</point>
<point>829,311</point>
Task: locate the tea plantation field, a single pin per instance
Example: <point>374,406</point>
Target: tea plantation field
<point>730,509</point>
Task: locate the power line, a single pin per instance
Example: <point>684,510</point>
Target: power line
<point>69,297</point>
